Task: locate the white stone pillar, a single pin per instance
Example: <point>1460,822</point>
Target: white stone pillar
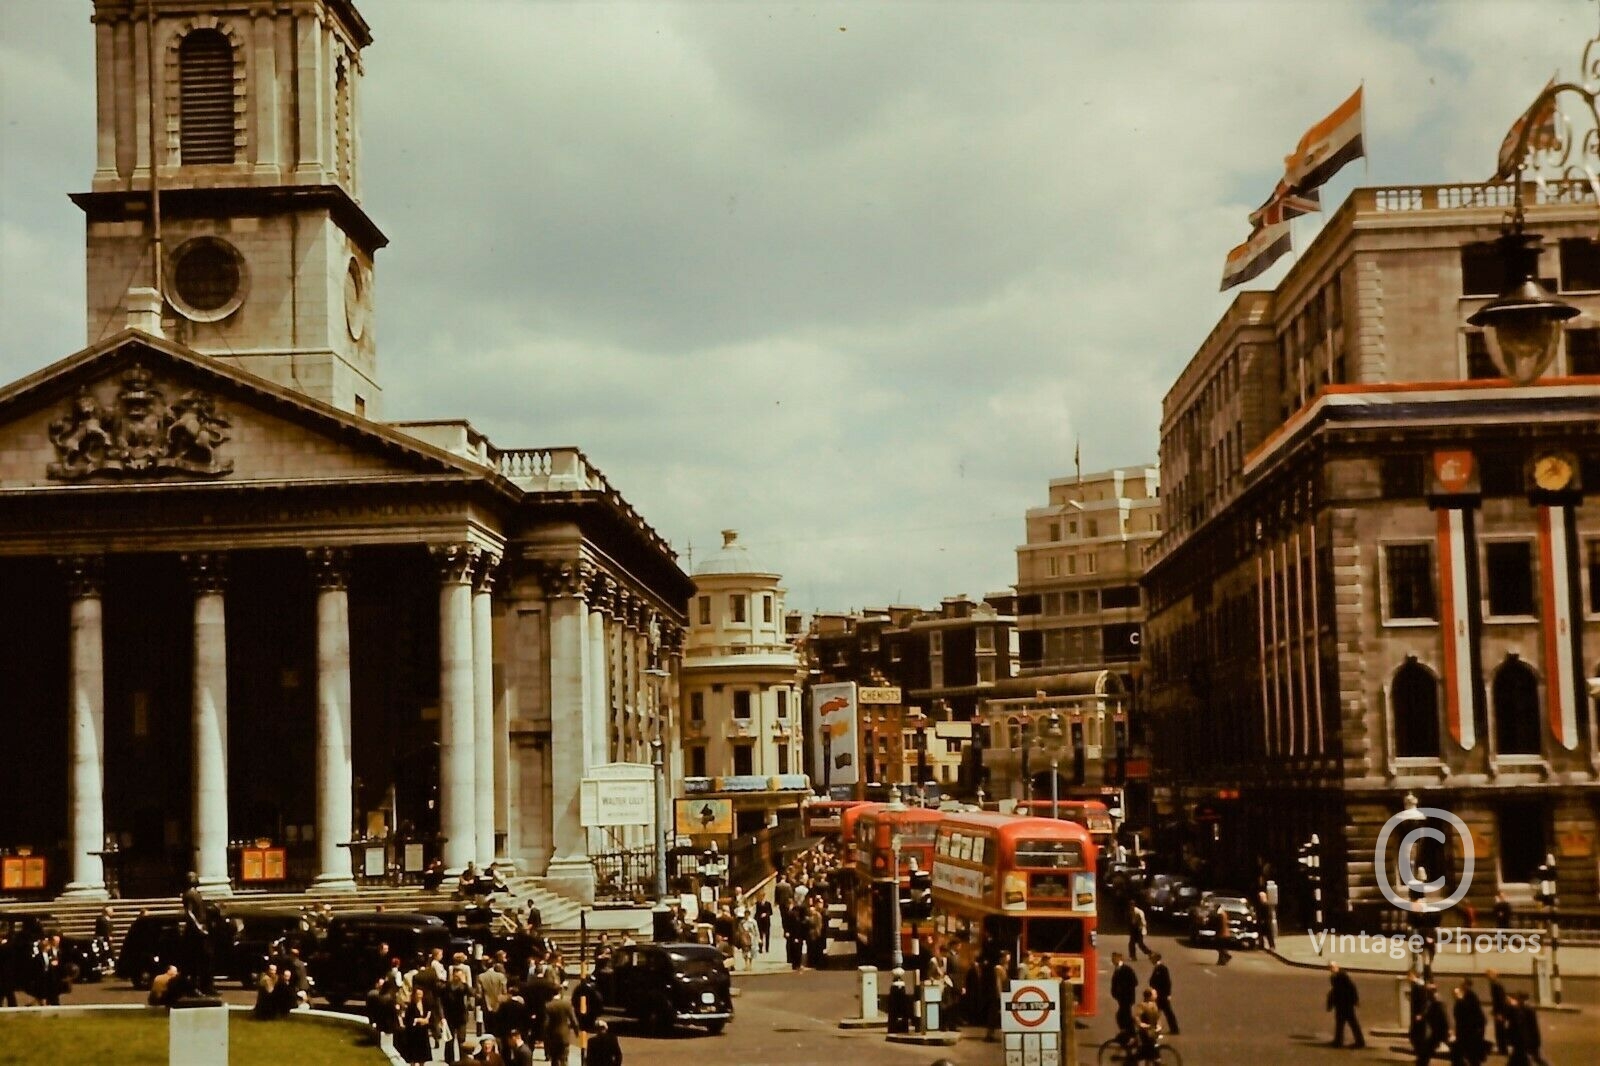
<point>267,160</point>
<point>86,737</point>
<point>565,586</point>
<point>483,711</point>
<point>457,740</point>
<point>209,722</point>
<point>335,773</point>
<point>600,672</point>
<point>105,164</point>
<point>310,96</point>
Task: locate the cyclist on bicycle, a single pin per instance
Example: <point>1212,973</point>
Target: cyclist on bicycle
<point>1146,1029</point>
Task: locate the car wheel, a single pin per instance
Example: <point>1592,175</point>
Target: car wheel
<point>662,1020</point>
<point>715,1028</point>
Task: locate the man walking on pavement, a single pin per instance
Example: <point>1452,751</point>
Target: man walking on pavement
<point>560,1029</point>
<point>1500,1008</point>
<point>1429,1026</point>
<point>1470,1048</point>
<point>1161,983</point>
<point>1137,927</point>
<point>1343,1000</point>
<point>1124,989</point>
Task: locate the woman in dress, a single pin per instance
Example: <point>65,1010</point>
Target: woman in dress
<point>414,1041</point>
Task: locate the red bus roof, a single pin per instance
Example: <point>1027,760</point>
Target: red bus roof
<point>880,812</point>
<point>1011,826</point>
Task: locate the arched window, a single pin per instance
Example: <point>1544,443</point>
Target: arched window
<point>1516,709</point>
<point>1414,700</point>
<point>205,97</point>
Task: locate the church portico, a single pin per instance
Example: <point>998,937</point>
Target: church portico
<point>240,612</point>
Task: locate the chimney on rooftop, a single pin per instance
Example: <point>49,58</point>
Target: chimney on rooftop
<point>144,310</point>
<point>729,536</point>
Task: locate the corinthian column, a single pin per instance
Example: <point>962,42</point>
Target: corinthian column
<point>86,736</point>
<point>483,699</point>
<point>457,735</point>
<point>565,585</point>
<point>209,722</point>
<point>335,813</point>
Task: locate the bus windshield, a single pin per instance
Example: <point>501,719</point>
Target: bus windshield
<point>1056,936</point>
<point>1050,854</point>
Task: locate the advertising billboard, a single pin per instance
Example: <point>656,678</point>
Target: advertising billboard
<point>833,734</point>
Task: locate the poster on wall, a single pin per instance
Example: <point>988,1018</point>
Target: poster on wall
<point>833,736</point>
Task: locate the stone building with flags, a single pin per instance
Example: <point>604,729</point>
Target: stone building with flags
<point>1379,567</point>
<point>243,607</point>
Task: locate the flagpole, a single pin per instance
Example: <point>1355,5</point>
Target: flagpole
<point>1366,156</point>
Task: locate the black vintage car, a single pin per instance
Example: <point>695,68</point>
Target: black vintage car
<point>667,985</point>
<point>347,961</point>
<point>471,925</point>
<point>152,942</point>
<point>254,932</point>
<point>1205,921</point>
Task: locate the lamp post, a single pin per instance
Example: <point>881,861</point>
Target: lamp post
<point>1524,322</point>
<point>896,841</point>
<point>658,764</point>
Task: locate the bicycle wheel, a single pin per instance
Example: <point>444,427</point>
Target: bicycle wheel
<point>1169,1056</point>
<point>1112,1053</point>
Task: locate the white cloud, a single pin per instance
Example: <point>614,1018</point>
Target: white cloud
<point>852,278</point>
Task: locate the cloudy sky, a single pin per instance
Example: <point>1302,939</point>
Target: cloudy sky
<point>852,279</point>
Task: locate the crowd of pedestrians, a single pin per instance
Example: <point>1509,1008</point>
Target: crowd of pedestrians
<point>33,965</point>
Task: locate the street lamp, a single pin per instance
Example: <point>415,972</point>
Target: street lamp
<point>658,763</point>
<point>1524,322</point>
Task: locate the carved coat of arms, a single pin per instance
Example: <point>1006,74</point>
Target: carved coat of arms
<point>139,434</point>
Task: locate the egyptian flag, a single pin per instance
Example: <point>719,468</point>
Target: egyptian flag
<point>1265,246</point>
<point>1285,203</point>
<point>1327,147</point>
<point>1542,135</point>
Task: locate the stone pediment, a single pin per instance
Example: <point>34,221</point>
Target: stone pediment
<point>139,410</point>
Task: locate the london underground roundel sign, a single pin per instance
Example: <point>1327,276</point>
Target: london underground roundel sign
<point>1032,1007</point>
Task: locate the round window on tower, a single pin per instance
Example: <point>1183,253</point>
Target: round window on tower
<point>355,299</point>
<point>207,279</point>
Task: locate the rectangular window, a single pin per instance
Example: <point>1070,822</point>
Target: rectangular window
<point>741,704</point>
<point>1072,564</point>
<point>1070,603</point>
<point>1479,364</point>
<point>1055,646</point>
<point>936,643</point>
<point>766,609</point>
<point>361,407</point>
<point>1119,596</point>
<point>736,606</point>
<point>1052,566</point>
<point>1091,601</point>
<point>1481,271</point>
<point>936,674</point>
<point>1580,265</point>
<point>1092,528</point>
<point>1091,563</point>
<point>985,670</point>
<point>743,760</point>
<point>1052,603</point>
<point>1594,576</point>
<point>1055,531</point>
<point>697,706</point>
<point>1508,575</point>
<point>1522,839</point>
<point>985,638</point>
<point>697,761</point>
<point>783,703</point>
<point>1072,529</point>
<point>1408,571</point>
<point>783,758</point>
<point>1583,351</point>
<point>705,610</point>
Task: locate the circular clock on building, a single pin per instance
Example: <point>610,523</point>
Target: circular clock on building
<point>207,279</point>
<point>355,299</point>
<point>1553,471</point>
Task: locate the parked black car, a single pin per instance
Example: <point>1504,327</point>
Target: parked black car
<point>152,943</point>
<point>471,925</point>
<point>346,961</point>
<point>668,985</point>
<point>253,933</point>
<point>1168,897</point>
<point>1204,922</point>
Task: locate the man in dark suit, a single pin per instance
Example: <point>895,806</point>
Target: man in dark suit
<point>1500,1008</point>
<point>603,1047</point>
<point>518,1053</point>
<point>1343,1000</point>
<point>1125,990</point>
<point>1429,1027</point>
<point>1470,1047</point>
<point>1161,982</point>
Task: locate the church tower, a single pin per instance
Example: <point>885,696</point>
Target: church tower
<point>244,116</point>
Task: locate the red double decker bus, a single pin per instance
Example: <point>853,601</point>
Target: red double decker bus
<point>1091,814</point>
<point>875,888</point>
<point>824,818</point>
<point>1025,885</point>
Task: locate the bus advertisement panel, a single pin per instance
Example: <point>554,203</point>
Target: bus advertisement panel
<point>1019,884</point>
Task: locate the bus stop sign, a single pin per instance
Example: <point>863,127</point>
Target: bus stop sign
<point>1032,1007</point>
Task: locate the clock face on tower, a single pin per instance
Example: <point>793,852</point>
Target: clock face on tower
<point>1553,471</point>
<point>355,299</point>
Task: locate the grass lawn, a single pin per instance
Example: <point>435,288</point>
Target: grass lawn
<point>135,1038</point>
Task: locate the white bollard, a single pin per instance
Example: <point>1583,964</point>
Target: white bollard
<point>1402,996</point>
<point>869,993</point>
<point>930,1007</point>
<point>197,1036</point>
<point>1542,991</point>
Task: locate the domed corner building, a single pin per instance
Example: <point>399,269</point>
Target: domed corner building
<point>244,609</point>
<point>741,683</point>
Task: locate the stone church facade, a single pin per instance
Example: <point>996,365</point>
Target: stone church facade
<point>240,606</point>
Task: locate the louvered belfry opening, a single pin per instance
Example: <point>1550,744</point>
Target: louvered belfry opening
<point>205,82</point>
